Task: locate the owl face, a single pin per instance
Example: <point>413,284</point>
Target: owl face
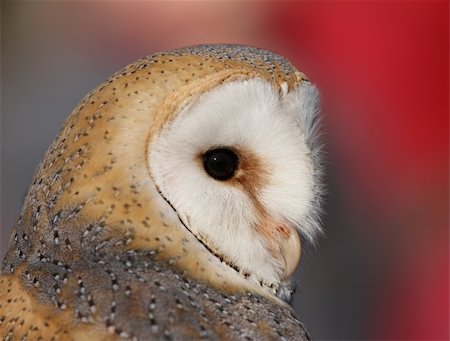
<point>235,165</point>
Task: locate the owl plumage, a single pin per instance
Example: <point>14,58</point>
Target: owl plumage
<point>131,229</point>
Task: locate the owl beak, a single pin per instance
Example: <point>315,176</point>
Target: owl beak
<point>290,249</point>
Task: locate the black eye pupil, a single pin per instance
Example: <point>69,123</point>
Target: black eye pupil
<point>221,163</point>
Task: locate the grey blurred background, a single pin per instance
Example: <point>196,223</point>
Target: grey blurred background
<point>358,284</point>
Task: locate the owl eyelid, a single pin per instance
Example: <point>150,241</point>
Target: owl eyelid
<point>230,148</point>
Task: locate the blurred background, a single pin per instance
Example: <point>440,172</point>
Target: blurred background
<point>382,271</point>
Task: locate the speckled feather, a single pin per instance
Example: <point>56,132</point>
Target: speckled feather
<point>93,257</point>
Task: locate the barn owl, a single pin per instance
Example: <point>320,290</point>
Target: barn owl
<point>171,205</point>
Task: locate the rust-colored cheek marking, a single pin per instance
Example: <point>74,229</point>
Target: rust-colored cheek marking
<point>284,231</point>
<point>251,176</point>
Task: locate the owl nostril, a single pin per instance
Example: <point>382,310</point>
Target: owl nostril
<point>221,163</point>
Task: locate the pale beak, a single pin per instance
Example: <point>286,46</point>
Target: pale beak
<point>290,249</point>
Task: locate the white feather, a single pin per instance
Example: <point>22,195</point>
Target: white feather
<point>248,115</point>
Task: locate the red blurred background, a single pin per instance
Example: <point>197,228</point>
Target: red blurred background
<point>382,68</point>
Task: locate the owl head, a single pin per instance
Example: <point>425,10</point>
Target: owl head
<point>208,155</point>
<point>236,166</point>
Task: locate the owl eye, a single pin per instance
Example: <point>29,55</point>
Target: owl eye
<point>221,163</point>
